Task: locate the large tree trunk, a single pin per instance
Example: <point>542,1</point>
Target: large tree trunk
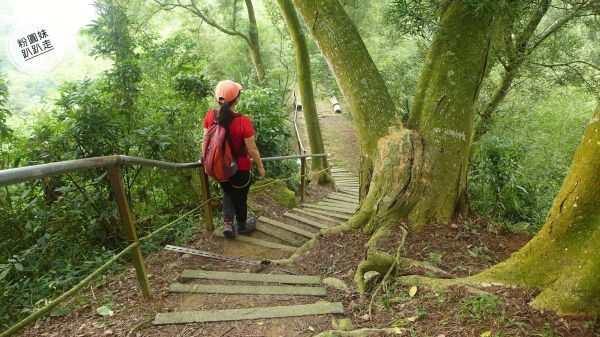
<point>444,107</point>
<point>363,87</point>
<point>254,44</point>
<point>563,259</point>
<point>313,128</point>
<point>416,174</point>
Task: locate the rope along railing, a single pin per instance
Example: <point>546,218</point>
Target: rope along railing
<point>112,165</point>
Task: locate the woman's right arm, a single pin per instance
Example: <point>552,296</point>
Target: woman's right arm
<point>255,155</point>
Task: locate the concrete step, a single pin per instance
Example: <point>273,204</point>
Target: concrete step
<point>305,220</point>
<point>257,242</point>
<point>246,289</point>
<point>319,308</point>
<point>329,208</point>
<point>249,277</point>
<point>289,228</point>
<point>318,216</point>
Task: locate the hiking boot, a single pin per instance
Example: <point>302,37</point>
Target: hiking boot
<point>229,229</point>
<point>248,227</point>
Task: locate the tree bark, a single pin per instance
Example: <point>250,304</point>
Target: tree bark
<point>563,259</point>
<point>416,174</point>
<point>357,76</point>
<point>444,106</point>
<point>313,128</point>
<point>254,44</point>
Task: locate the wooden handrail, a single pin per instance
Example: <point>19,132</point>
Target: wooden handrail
<point>27,173</point>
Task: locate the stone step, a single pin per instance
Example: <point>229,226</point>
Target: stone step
<point>289,228</point>
<point>247,289</point>
<point>343,184</point>
<point>319,308</point>
<point>343,195</point>
<point>351,200</point>
<point>257,242</point>
<point>351,192</point>
<point>347,180</point>
<point>305,220</point>
<point>344,217</point>
<point>339,204</point>
<point>318,216</point>
<point>348,193</point>
<point>329,208</point>
<point>279,234</point>
<point>249,277</point>
<point>335,198</point>
<point>339,175</point>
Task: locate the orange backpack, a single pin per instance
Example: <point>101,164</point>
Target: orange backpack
<point>217,151</point>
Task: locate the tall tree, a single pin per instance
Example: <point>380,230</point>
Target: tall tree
<point>251,37</point>
<point>563,259</point>
<point>304,76</point>
<point>113,38</point>
<point>412,173</point>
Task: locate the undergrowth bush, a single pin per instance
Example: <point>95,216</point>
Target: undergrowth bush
<point>520,164</point>
<point>273,132</point>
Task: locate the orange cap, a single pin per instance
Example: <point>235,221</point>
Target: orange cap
<point>227,91</point>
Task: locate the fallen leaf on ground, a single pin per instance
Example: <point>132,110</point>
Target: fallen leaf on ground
<point>413,291</point>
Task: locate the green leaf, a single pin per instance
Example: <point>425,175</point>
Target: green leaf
<point>486,334</point>
<point>18,266</point>
<point>4,270</point>
<point>105,311</point>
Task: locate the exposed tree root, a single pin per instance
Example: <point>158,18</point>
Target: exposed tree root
<point>426,266</point>
<point>311,243</point>
<point>375,260</point>
<point>437,283</point>
<point>362,332</point>
<point>395,263</point>
<point>301,250</point>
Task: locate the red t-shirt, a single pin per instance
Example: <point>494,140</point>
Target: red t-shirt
<point>239,129</point>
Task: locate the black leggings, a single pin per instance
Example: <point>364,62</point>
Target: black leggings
<point>235,197</point>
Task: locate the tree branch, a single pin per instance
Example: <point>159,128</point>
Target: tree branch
<point>194,9</point>
<point>567,64</point>
<point>548,31</point>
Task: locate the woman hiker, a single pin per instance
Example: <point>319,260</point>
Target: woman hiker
<point>241,133</point>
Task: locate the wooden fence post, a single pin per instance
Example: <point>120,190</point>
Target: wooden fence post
<point>302,178</point>
<point>116,181</point>
<point>205,189</point>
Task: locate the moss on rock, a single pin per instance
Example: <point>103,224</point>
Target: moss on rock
<point>276,190</point>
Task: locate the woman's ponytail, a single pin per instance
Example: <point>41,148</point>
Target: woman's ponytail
<point>225,114</point>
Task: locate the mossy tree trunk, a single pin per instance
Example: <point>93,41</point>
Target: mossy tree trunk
<point>357,76</point>
<point>414,173</point>
<point>563,259</point>
<point>313,128</point>
<point>254,44</point>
